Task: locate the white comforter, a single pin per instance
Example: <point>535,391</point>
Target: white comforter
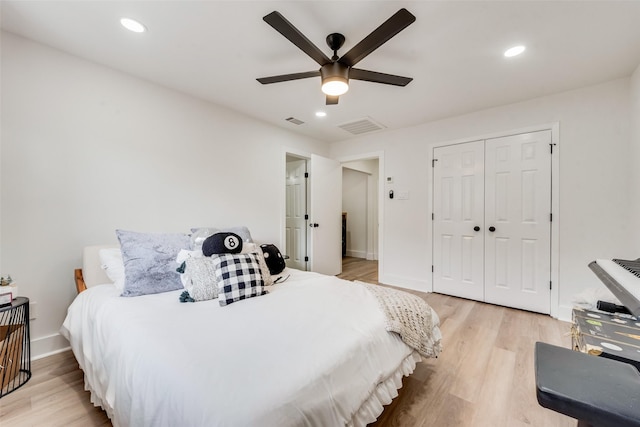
<point>312,352</point>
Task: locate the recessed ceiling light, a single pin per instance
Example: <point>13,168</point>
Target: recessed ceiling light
<point>514,51</point>
<point>133,25</point>
<point>320,114</point>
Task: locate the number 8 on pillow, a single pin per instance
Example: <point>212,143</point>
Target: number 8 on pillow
<point>222,243</point>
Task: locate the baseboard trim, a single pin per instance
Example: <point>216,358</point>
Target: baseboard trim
<point>47,346</point>
<point>357,254</point>
<point>406,282</point>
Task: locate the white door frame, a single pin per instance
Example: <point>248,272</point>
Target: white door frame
<point>381,187</point>
<point>554,127</point>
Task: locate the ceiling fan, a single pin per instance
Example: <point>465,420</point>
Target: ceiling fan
<point>336,71</point>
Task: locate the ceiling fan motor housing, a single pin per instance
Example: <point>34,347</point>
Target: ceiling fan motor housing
<point>334,71</point>
<point>335,79</point>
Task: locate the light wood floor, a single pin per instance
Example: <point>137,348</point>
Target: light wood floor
<point>484,376</point>
<point>359,269</point>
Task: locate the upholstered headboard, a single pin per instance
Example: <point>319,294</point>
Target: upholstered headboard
<point>92,273</point>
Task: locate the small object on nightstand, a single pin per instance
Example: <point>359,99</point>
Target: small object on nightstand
<point>15,345</point>
<point>7,285</point>
<point>5,298</point>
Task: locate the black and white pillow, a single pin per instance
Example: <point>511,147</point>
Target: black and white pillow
<point>238,277</point>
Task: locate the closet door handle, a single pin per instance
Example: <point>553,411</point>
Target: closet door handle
<point>492,229</point>
<point>476,228</point>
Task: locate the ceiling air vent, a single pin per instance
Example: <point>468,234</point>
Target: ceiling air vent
<point>294,120</point>
<point>361,126</point>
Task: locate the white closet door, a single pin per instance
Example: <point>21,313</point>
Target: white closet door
<point>518,206</point>
<point>296,223</point>
<point>458,209</point>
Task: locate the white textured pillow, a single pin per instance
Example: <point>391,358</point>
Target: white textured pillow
<point>203,284</point>
<point>112,264</point>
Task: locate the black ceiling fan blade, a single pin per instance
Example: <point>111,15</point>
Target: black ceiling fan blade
<point>291,33</point>
<point>375,77</point>
<point>389,28</point>
<point>332,100</point>
<point>287,77</point>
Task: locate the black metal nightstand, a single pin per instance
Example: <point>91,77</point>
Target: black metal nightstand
<point>15,345</point>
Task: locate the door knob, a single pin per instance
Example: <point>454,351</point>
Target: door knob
<point>476,228</point>
<point>492,229</point>
<point>314,225</point>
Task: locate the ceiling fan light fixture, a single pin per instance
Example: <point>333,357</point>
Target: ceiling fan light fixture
<point>335,87</point>
<point>335,79</point>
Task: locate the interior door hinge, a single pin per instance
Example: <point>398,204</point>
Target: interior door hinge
<point>433,162</point>
<point>551,146</point>
<point>306,174</point>
<point>306,259</point>
<point>432,268</point>
<point>306,217</point>
<point>433,216</point>
<point>551,217</point>
<point>550,284</point>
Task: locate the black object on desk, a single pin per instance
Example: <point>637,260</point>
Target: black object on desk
<point>598,392</point>
<point>15,345</point>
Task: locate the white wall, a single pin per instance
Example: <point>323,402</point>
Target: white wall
<point>634,159</point>
<point>594,180</point>
<point>86,150</point>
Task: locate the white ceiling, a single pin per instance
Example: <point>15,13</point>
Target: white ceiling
<point>215,50</point>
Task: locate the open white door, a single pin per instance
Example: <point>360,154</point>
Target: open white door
<point>326,221</point>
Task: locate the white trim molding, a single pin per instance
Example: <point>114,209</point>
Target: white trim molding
<point>48,345</point>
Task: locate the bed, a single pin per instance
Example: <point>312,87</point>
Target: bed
<point>313,351</point>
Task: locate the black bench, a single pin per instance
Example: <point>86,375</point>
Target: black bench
<point>598,392</point>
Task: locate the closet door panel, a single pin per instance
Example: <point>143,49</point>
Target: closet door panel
<point>458,208</point>
<point>518,206</point>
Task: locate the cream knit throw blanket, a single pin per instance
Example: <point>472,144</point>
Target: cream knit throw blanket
<point>410,317</point>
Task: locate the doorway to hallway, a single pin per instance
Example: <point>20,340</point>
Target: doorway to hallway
<point>360,207</point>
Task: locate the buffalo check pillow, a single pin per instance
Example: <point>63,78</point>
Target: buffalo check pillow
<point>239,277</point>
